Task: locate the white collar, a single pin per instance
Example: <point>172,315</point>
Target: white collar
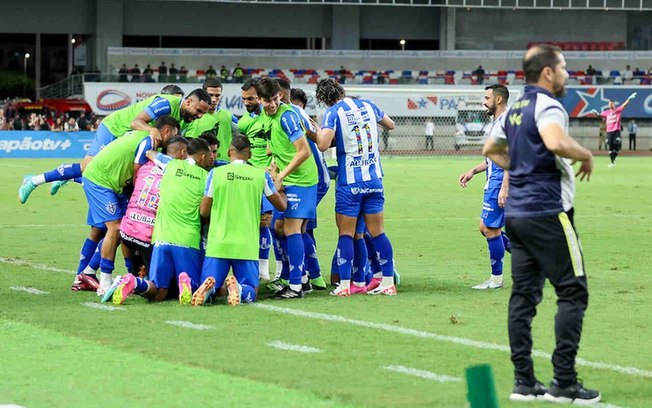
<point>191,161</point>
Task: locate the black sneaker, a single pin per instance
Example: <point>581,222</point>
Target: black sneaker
<point>287,293</point>
<point>306,288</point>
<point>575,394</point>
<point>523,392</point>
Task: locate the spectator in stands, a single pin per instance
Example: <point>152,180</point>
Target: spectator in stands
<point>18,123</point>
<point>135,74</point>
<point>479,74</point>
<point>342,73</point>
<point>183,74</point>
<point>147,74</point>
<point>96,123</point>
<point>238,74</point>
<point>122,73</point>
<point>632,128</point>
<point>380,79</point>
<point>42,123</point>
<point>3,122</point>
<point>58,125</point>
<point>590,71</point>
<point>163,72</point>
<point>638,73</point>
<point>627,74</point>
<point>224,74</point>
<point>71,125</point>
<point>82,122</point>
<point>173,74</point>
<point>210,72</point>
<point>430,132</point>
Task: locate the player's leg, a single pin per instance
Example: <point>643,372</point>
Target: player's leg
<point>161,271</point>
<point>187,267</point>
<point>611,140</point>
<point>63,172</point>
<point>492,221</point>
<point>213,275</point>
<point>347,210</point>
<point>242,287</point>
<point>527,292</point>
<point>360,257</point>
<point>86,278</point>
<point>372,208</point>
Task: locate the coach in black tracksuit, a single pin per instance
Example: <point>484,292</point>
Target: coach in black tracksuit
<point>532,142</point>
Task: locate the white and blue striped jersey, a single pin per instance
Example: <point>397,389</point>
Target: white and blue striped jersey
<point>324,178</point>
<point>356,137</point>
<point>494,172</point>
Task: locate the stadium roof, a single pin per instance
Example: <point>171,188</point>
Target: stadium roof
<point>615,5</point>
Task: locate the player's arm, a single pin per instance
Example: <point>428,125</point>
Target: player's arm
<point>295,134</point>
<point>141,153</point>
<point>159,159</point>
<point>387,123</point>
<point>628,100</point>
<point>557,141</point>
<point>326,134</point>
<point>159,107</point>
<point>277,198</point>
<point>207,201</point>
<point>468,175</point>
<point>504,190</point>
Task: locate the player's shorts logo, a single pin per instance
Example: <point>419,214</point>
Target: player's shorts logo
<point>230,176</point>
<point>111,208</point>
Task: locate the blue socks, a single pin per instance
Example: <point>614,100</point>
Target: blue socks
<point>345,256</point>
<point>63,172</point>
<point>496,254</point>
<point>295,253</point>
<point>285,272</point>
<point>86,253</point>
<point>107,265</point>
<point>247,293</point>
<point>371,253</point>
<point>141,286</point>
<point>508,245</point>
<point>311,261</point>
<point>359,260</point>
<point>265,243</point>
<point>385,254</point>
<point>129,264</point>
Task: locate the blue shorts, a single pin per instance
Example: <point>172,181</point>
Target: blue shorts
<point>102,138</point>
<point>245,272</point>
<point>364,197</point>
<point>104,204</point>
<point>266,206</point>
<point>492,215</point>
<point>168,261</point>
<point>322,190</point>
<point>302,203</point>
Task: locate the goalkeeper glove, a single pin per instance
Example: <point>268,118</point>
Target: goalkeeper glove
<point>632,96</point>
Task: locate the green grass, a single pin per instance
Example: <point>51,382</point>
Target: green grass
<point>55,352</point>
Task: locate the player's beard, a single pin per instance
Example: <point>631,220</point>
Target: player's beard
<point>252,108</point>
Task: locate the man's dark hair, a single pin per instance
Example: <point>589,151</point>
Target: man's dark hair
<point>267,88</point>
<point>535,61</point>
<point>198,146</point>
<point>248,84</point>
<point>329,92</point>
<point>172,90</point>
<point>499,90</point>
<point>166,121</point>
<point>283,83</point>
<point>209,137</point>
<point>212,83</point>
<point>201,94</point>
<point>177,139</point>
<point>300,95</point>
<point>240,142</point>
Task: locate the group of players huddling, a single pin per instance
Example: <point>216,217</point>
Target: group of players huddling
<point>186,210</point>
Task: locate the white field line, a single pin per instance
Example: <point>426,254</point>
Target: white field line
<point>633,371</point>
<point>40,225</point>
<point>32,291</point>
<point>20,262</point>
<point>100,306</point>
<point>18,166</point>
<point>292,347</point>
<point>606,405</point>
<point>188,325</point>
<point>421,373</point>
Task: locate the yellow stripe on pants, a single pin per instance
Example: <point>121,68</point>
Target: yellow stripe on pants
<point>574,248</point>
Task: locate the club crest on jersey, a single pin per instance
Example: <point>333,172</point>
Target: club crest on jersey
<point>111,208</point>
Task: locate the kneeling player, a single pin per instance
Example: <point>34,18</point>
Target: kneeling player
<point>176,233</point>
<point>232,201</point>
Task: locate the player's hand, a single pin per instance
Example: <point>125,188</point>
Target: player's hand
<point>157,139</point>
<point>594,112</point>
<point>314,124</point>
<point>585,170</point>
<point>465,178</point>
<point>502,197</point>
<point>632,96</point>
<point>278,183</point>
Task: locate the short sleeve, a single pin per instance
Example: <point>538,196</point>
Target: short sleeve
<point>497,131</point>
<point>377,111</point>
<point>329,120</point>
<point>143,147</point>
<point>161,160</point>
<point>553,114</point>
<point>234,119</point>
<point>291,125</point>
<point>270,189</point>
<point>159,107</point>
<point>604,113</point>
<point>208,190</point>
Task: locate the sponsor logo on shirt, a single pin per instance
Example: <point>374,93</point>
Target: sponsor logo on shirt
<point>363,162</point>
<point>232,176</point>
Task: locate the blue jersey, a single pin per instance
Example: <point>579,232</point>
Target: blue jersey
<point>356,137</point>
<point>540,182</point>
<point>323,177</point>
<point>494,172</point>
